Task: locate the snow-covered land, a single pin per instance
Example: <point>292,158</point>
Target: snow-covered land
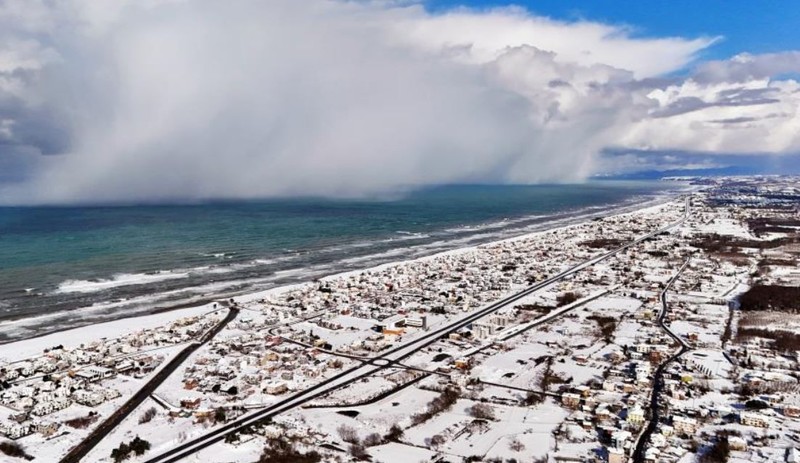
<point>417,360</point>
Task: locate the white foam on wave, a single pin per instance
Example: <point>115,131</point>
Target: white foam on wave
<point>492,225</point>
<point>377,256</point>
<point>134,279</point>
<point>118,280</point>
<point>405,236</point>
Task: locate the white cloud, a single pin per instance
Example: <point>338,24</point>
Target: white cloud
<point>198,98</point>
<point>481,36</point>
<point>749,117</point>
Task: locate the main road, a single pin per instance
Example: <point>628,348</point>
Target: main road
<point>388,358</point>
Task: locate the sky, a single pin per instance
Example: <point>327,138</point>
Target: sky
<point>743,25</point>
<point>164,100</point>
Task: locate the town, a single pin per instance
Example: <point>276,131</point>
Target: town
<point>666,334</point>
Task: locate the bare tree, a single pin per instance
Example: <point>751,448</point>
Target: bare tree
<point>516,446</point>
<point>437,440</point>
<point>348,433</point>
<point>373,439</point>
<point>148,415</point>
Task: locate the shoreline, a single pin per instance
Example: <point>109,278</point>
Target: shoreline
<point>253,293</point>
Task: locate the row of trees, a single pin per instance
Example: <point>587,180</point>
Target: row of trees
<point>284,451</point>
<point>771,297</point>
<point>439,404</point>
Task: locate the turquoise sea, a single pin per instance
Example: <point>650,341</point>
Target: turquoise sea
<point>69,266</point>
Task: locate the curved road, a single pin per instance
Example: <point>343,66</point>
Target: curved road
<point>658,384</point>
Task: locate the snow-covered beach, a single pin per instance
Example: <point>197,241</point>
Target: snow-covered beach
<point>14,330</point>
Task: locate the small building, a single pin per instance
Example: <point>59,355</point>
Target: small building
<point>94,373</point>
<point>635,416</point>
<point>462,364</point>
<point>571,400</point>
<point>16,430</point>
<point>616,455</point>
<point>45,428</point>
<point>191,404</point>
<point>736,443</point>
<point>276,387</point>
<point>752,419</point>
<point>417,322</point>
<point>684,425</point>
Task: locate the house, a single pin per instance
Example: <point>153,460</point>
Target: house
<point>43,408</point>
<point>571,400</point>
<point>94,373</point>
<point>483,330</point>
<point>462,364</point>
<point>616,455</point>
<point>276,387</point>
<point>124,366</point>
<point>191,404</point>
<point>684,425</point>
<point>88,398</point>
<point>417,322</point>
<point>736,443</point>
<point>45,428</point>
<point>619,438</point>
<point>109,394</point>
<point>635,416</point>
<point>16,430</point>
<point>752,419</point>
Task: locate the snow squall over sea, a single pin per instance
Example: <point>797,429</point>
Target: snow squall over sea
<point>62,267</point>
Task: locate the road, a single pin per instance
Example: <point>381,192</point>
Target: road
<point>387,358</point>
<point>658,383</point>
<point>81,450</point>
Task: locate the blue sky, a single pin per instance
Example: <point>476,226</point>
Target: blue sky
<point>747,25</point>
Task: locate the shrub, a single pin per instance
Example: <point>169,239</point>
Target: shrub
<point>347,433</point>
<point>437,440</point>
<point>756,404</point>
<point>395,433</point>
<point>121,453</point>
<point>282,451</point>
<point>516,446</point>
<point>607,325</point>
<point>82,422</point>
<point>148,415</point>
<point>137,446</point>
<point>358,452</point>
<point>13,449</point>
<point>567,298</point>
<point>532,398</point>
<point>718,453</point>
<point>481,411</point>
<point>373,439</point>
